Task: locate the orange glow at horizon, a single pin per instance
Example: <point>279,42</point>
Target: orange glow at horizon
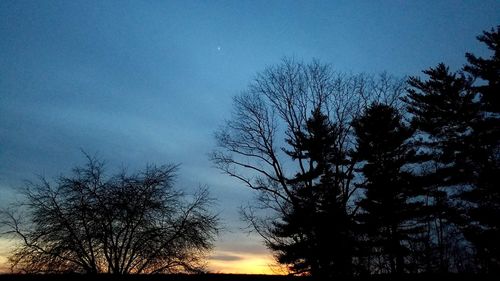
<point>244,263</point>
<point>219,262</point>
<point>5,247</point>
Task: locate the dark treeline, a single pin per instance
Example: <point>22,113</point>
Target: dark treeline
<point>152,277</point>
<point>359,175</point>
<point>220,277</point>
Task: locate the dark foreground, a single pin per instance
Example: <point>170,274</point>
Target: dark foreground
<point>232,277</point>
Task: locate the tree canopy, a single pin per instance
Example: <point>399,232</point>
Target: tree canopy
<point>359,174</point>
<point>290,139</point>
<point>125,223</point>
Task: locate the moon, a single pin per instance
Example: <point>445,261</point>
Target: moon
<point>219,48</point>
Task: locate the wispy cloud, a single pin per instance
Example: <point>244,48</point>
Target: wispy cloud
<point>225,257</point>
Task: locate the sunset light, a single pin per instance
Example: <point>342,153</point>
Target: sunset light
<point>243,263</point>
<point>5,247</point>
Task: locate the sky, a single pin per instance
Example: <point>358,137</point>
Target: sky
<point>141,82</point>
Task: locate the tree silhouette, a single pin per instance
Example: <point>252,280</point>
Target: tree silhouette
<point>443,110</point>
<point>459,117</point>
<point>290,139</point>
<point>443,113</point>
<point>91,223</point>
<point>487,70</point>
<point>304,239</point>
<point>480,223</point>
<point>390,208</point>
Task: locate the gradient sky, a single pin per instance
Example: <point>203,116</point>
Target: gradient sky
<point>142,82</point>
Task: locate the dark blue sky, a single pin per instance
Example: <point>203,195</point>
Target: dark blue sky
<point>149,81</point>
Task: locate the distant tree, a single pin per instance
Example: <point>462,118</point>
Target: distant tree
<point>126,223</point>
<point>290,138</point>
<point>481,223</point>
<point>390,211</point>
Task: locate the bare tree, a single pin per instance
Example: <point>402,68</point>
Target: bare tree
<point>91,223</point>
<point>262,144</point>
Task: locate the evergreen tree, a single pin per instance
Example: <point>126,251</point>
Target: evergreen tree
<point>444,112</point>
<point>388,209</point>
<point>481,223</point>
<point>316,230</point>
<point>487,70</point>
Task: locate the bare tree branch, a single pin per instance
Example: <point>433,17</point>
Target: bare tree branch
<point>121,224</point>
